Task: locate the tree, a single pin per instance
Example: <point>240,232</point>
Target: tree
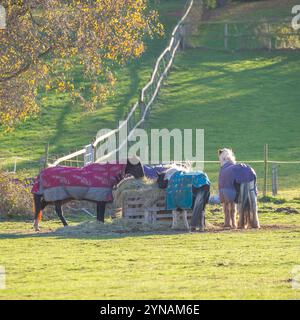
<point>45,39</point>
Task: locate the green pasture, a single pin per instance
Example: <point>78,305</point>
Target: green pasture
<point>251,264</point>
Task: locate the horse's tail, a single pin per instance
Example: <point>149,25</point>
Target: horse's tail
<point>201,200</point>
<point>248,204</point>
<point>37,208</point>
<point>244,197</point>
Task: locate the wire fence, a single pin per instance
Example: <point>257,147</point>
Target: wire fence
<point>270,34</point>
<point>273,177</point>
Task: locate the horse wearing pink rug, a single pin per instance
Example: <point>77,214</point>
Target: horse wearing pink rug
<point>58,185</point>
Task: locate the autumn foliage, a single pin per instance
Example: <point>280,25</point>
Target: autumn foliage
<point>15,199</point>
<point>46,39</point>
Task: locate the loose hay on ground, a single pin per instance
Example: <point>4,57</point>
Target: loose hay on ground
<point>121,226</point>
<point>114,226</point>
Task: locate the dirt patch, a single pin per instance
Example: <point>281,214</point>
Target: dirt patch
<point>278,227</point>
<point>130,227</point>
<point>287,210</point>
<point>124,226</point>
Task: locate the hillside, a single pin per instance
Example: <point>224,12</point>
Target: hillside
<point>243,99</point>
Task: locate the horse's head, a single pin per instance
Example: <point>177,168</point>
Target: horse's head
<point>226,155</point>
<point>135,168</point>
<point>161,181</point>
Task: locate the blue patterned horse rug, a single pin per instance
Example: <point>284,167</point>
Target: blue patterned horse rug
<point>230,178</point>
<point>180,188</point>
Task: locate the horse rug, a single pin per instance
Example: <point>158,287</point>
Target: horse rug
<point>231,176</point>
<point>93,182</point>
<point>151,171</point>
<point>180,188</point>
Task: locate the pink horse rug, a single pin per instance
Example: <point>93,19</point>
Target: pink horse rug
<point>93,182</point>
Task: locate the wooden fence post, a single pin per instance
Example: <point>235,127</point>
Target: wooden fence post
<point>15,165</point>
<point>46,155</point>
<point>183,33</point>
<point>226,36</point>
<point>274,180</point>
<point>266,151</point>
<point>270,38</point>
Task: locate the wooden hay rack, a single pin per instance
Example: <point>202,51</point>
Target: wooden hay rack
<point>134,208</point>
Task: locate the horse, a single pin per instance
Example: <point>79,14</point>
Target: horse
<point>237,187</point>
<point>193,193</point>
<point>94,183</point>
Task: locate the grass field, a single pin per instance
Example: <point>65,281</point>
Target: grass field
<point>163,265</point>
<point>242,100</point>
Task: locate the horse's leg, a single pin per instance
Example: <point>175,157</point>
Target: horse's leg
<point>59,211</point>
<point>233,215</point>
<point>101,211</point>
<point>185,219</point>
<point>37,210</point>
<point>226,206</point>
<point>175,219</point>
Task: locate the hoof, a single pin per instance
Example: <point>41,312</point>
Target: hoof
<point>36,226</point>
<point>201,230</point>
<point>193,230</point>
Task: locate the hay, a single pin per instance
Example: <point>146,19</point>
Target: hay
<point>117,226</point>
<point>145,188</point>
<point>125,226</point>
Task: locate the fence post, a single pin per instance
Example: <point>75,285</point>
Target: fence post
<point>46,155</point>
<point>15,165</point>
<point>270,37</point>
<point>226,36</point>
<point>266,151</point>
<point>274,180</point>
<point>183,33</point>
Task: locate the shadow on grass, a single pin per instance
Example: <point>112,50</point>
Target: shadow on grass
<point>104,236</point>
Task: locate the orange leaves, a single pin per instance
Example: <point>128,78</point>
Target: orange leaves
<point>91,35</point>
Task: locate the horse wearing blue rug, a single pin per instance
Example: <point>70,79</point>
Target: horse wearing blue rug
<point>186,190</point>
<point>237,185</point>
